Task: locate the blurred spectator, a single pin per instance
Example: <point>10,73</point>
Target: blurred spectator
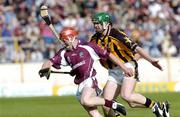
<point>22,12</point>
<point>18,56</point>
<point>168,48</point>
<point>154,24</point>
<point>2,53</point>
<point>70,7</point>
<point>46,33</point>
<point>70,20</point>
<point>36,55</point>
<point>32,30</point>
<point>155,7</point>
<point>175,37</point>
<point>6,31</point>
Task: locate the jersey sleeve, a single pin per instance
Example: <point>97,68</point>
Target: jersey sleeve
<point>102,53</point>
<point>121,36</point>
<point>59,60</point>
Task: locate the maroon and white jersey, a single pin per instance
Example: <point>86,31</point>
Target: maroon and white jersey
<point>81,60</point>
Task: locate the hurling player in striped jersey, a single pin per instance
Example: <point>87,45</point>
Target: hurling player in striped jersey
<point>117,42</point>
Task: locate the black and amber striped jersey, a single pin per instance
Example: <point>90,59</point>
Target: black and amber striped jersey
<point>118,44</point>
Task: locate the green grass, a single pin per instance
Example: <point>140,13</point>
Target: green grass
<point>70,107</point>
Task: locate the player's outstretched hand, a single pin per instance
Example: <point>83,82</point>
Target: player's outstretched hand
<point>45,72</point>
<point>156,64</point>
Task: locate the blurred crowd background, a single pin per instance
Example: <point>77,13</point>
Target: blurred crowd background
<point>24,36</point>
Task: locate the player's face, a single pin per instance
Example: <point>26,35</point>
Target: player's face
<point>70,42</point>
<point>98,27</point>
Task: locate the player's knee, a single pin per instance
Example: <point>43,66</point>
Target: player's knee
<point>127,97</point>
<point>86,102</point>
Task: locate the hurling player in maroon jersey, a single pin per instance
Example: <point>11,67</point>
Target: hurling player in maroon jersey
<point>81,58</point>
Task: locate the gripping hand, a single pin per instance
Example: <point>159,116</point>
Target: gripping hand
<point>45,72</point>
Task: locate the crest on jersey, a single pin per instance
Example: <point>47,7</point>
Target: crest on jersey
<point>81,54</point>
<point>127,40</point>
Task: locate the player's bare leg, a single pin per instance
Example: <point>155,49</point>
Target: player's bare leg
<point>89,99</point>
<point>86,94</point>
<point>110,94</point>
<point>93,111</point>
<point>127,93</point>
<point>136,99</point>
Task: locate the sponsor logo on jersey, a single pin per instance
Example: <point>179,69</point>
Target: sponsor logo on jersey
<point>78,64</point>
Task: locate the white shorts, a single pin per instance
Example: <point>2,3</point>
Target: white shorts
<point>87,83</point>
<point>116,74</point>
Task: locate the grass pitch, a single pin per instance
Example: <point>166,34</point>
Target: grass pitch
<point>68,106</point>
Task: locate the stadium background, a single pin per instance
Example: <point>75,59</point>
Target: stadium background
<point>26,41</point>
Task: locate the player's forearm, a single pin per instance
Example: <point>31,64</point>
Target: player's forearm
<point>116,61</point>
<point>144,54</point>
<point>47,64</point>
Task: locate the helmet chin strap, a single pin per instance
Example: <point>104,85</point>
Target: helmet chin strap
<point>105,25</point>
<point>106,28</point>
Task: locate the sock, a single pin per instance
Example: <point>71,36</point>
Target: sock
<point>108,103</point>
<point>149,103</point>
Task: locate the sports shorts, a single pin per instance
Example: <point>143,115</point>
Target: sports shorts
<point>89,82</point>
<point>117,75</point>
